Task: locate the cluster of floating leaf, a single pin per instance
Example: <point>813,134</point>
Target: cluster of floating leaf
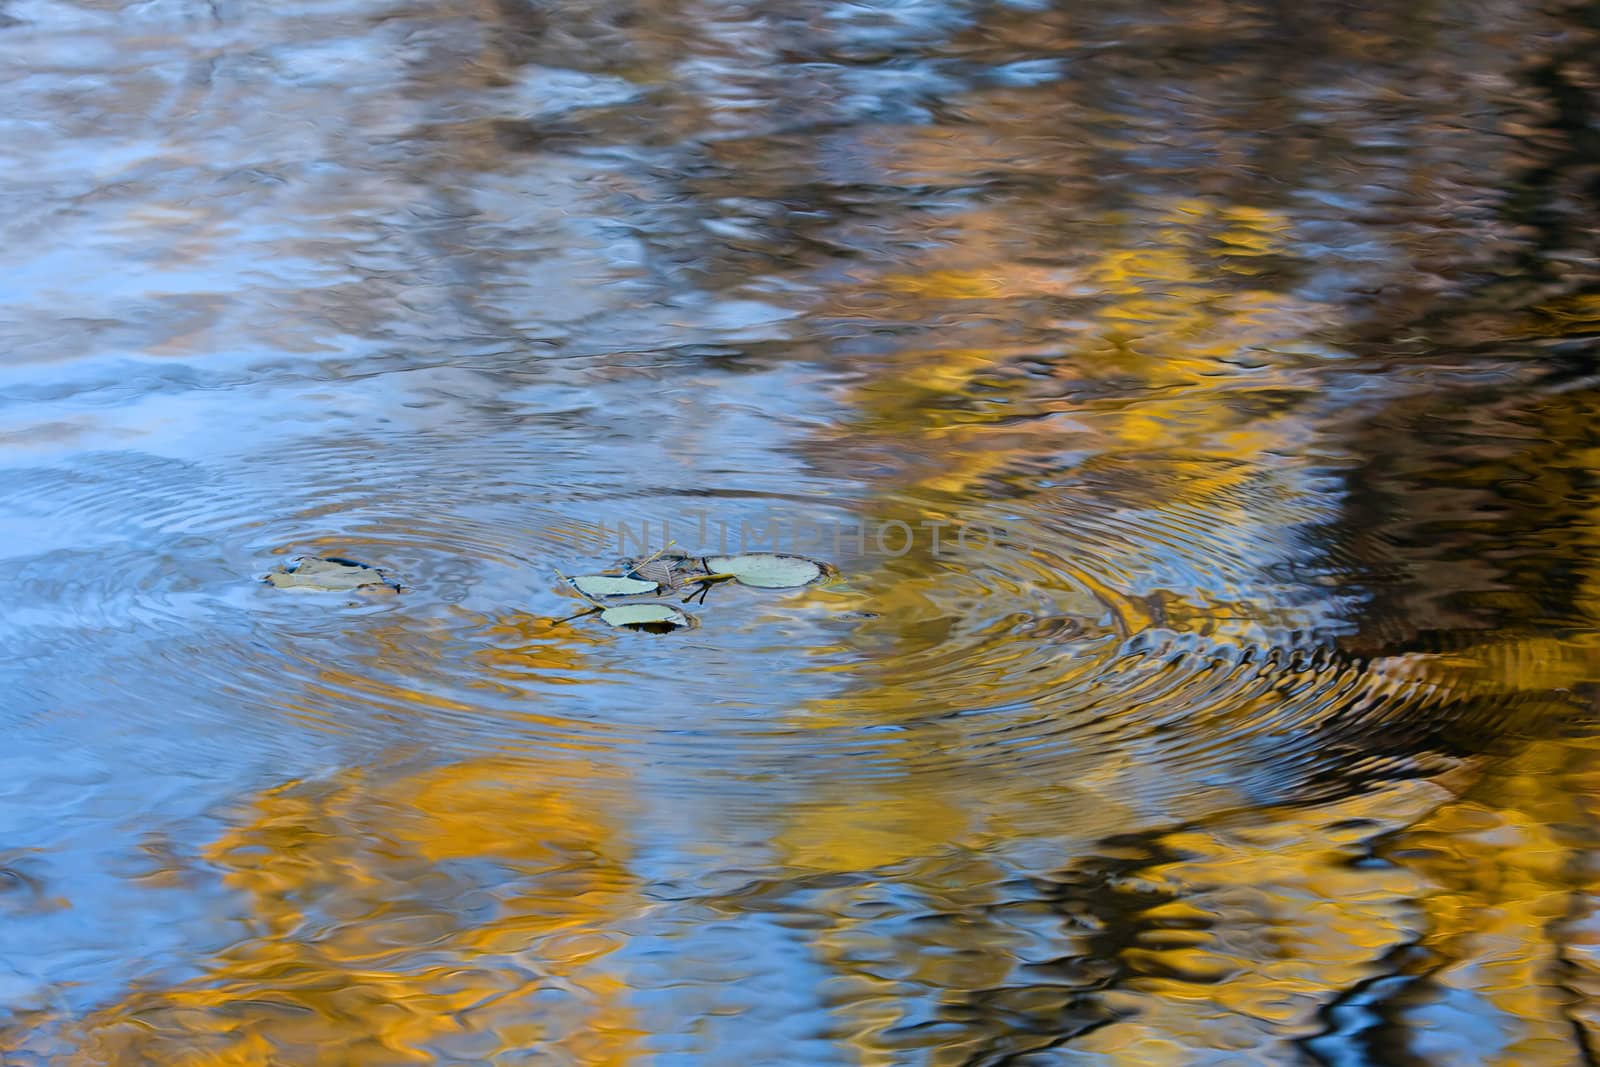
<point>637,592</point>
<point>632,599</point>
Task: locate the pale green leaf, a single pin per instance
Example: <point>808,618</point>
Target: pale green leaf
<point>657,618</point>
<point>612,585</point>
<point>767,570</point>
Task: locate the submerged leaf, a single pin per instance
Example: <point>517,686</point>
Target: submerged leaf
<point>612,585</point>
<point>665,568</point>
<point>311,573</point>
<point>768,570</point>
<point>653,618</point>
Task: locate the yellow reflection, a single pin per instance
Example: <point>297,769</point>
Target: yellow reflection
<point>391,918</point>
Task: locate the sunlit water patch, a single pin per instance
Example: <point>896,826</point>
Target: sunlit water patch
<point>1192,410</point>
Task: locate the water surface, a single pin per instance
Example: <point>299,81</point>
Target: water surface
<point>1197,400</point>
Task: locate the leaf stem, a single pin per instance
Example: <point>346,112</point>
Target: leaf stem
<point>652,557</point>
<point>582,614</point>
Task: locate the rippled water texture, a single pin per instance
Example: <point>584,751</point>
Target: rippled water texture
<point>1198,401</point>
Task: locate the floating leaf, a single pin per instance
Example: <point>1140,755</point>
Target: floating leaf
<point>652,618</point>
<point>613,585</point>
<point>311,573</point>
<point>768,570</point>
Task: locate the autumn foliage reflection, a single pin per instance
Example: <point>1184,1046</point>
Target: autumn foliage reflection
<point>457,911</point>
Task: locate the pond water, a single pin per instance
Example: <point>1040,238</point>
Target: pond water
<point>1198,402</point>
